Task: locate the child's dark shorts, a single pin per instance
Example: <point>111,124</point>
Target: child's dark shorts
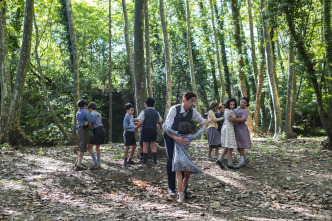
<point>129,138</point>
<point>149,135</point>
<point>98,136</point>
<point>81,134</point>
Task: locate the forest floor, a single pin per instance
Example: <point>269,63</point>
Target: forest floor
<point>285,180</point>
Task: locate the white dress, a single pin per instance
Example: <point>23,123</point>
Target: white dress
<point>227,131</point>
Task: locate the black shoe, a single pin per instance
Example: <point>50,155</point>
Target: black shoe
<point>171,192</point>
<point>220,164</point>
<point>185,193</point>
<point>131,162</point>
<point>232,167</point>
<point>79,168</point>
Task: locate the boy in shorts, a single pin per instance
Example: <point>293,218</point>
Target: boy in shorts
<point>148,119</point>
<point>129,134</point>
<point>98,132</point>
<point>81,132</point>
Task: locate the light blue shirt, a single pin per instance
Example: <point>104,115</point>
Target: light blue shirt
<point>128,123</point>
<point>95,120</point>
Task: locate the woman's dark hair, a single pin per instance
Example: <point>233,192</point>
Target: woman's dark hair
<point>246,99</point>
<point>229,101</point>
<point>184,128</point>
<point>128,106</point>
<point>213,104</point>
<point>188,95</point>
<point>93,106</point>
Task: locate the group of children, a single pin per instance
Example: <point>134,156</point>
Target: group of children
<point>225,126</point>
<point>233,134</point>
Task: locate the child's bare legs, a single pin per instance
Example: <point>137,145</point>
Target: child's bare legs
<point>223,153</point>
<point>180,185</point>
<point>145,153</point>
<point>133,148</point>
<point>125,163</point>
<point>209,153</point>
<point>230,157</point>
<point>80,158</point>
<point>186,179</point>
<point>216,152</point>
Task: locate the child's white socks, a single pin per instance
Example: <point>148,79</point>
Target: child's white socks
<point>230,161</point>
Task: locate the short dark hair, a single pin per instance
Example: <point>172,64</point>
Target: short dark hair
<point>229,101</point>
<point>188,95</point>
<point>82,103</point>
<point>184,128</point>
<point>246,99</point>
<point>150,102</point>
<point>223,104</point>
<point>93,106</point>
<point>128,106</point>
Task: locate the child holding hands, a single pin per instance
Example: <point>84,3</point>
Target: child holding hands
<point>228,140</point>
<point>181,160</point>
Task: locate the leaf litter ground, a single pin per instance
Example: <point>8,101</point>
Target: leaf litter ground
<point>285,180</point>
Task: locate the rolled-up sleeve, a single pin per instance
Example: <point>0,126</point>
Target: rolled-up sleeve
<point>170,117</point>
<point>198,118</point>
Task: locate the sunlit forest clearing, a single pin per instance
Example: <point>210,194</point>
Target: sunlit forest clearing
<point>53,53</point>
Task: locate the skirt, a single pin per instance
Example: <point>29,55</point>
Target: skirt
<point>213,137</point>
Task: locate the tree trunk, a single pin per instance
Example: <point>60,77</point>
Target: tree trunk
<point>190,55</point>
<point>271,73</point>
<point>260,80</point>
<point>308,62</point>
<point>167,58</point>
<point>221,38</point>
<point>252,42</point>
<point>281,63</point>
<point>147,50</point>
<point>215,82</point>
<point>140,80</point>
<point>110,107</point>
<point>128,46</point>
<point>291,92</point>
<point>264,114</point>
<point>328,38</point>
<point>217,54</point>
<point>5,80</point>
<point>238,40</point>
<point>15,133</point>
<point>75,64</point>
<point>42,80</point>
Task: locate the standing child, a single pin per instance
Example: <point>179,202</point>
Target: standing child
<point>129,134</point>
<point>98,132</point>
<point>220,114</point>
<point>228,140</point>
<point>242,134</point>
<point>81,132</point>
<point>213,135</point>
<point>148,119</point>
<point>181,160</point>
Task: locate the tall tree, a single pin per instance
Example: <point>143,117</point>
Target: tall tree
<point>43,85</point>
<point>147,49</point>
<point>260,80</point>
<point>110,116</point>
<point>291,92</point>
<point>4,69</point>
<point>74,60</point>
<point>128,46</point>
<point>190,55</point>
<point>238,42</point>
<point>252,41</point>
<point>271,71</point>
<point>217,54</point>
<point>310,67</point>
<point>140,79</point>
<point>328,34</point>
<point>13,132</point>
<point>167,58</point>
<point>221,36</point>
